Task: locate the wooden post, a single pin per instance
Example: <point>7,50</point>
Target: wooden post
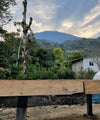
<point>21,108</point>
<point>89,105</point>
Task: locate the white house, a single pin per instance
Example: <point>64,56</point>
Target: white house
<point>84,63</point>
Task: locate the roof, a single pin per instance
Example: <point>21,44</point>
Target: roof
<point>74,61</point>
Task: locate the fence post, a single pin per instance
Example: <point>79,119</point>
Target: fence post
<point>89,105</point>
<point>21,108</point>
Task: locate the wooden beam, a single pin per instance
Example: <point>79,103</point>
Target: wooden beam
<point>89,105</point>
<point>40,87</point>
<point>21,108</point>
<point>92,86</point>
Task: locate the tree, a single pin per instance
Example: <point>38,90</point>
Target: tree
<point>9,48</point>
<point>4,55</point>
<point>59,54</point>
<point>46,57</point>
<point>76,55</point>
<point>5,15</point>
<point>93,53</point>
<point>72,56</point>
<point>26,41</point>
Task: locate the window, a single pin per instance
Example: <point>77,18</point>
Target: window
<point>91,63</point>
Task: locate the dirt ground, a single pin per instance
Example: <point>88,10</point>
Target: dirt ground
<point>65,112</point>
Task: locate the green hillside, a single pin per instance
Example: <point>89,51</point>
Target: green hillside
<point>70,45</point>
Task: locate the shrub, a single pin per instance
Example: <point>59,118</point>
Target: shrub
<point>69,74</point>
<point>39,72</point>
<point>65,73</point>
<point>86,74</point>
<point>15,71</point>
<point>4,73</point>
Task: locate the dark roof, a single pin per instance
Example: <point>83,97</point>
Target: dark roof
<point>74,61</point>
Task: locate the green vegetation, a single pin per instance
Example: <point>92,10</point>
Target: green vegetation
<point>86,74</point>
<point>42,63</point>
<point>45,61</point>
<point>69,46</point>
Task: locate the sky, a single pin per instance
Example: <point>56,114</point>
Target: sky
<point>77,17</point>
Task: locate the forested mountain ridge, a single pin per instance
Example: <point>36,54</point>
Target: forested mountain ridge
<point>79,44</point>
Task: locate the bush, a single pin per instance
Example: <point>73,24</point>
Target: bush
<point>69,74</point>
<point>86,74</point>
<point>65,73</point>
<point>44,57</point>
<point>4,73</point>
<point>15,71</point>
<point>39,72</point>
<point>50,73</point>
<point>21,77</point>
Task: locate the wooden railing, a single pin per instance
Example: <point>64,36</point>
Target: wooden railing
<point>25,88</point>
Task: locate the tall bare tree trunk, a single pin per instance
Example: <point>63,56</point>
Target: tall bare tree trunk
<point>25,38</point>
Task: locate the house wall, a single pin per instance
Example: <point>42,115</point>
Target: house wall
<point>86,64</point>
<point>76,67</point>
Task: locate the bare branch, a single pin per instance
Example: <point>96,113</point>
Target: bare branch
<point>28,27</point>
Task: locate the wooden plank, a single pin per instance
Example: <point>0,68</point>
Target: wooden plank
<point>92,86</point>
<point>40,87</point>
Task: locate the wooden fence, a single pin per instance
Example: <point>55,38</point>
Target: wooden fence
<point>25,88</point>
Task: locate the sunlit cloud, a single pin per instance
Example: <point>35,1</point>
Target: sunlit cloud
<point>67,24</point>
<point>90,31</point>
<point>95,12</point>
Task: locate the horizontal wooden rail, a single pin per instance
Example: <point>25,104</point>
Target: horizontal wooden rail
<point>40,87</point>
<point>92,86</point>
<point>47,87</point>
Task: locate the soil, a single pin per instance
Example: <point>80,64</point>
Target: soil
<point>54,112</point>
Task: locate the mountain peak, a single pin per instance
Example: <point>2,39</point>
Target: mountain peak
<point>55,36</point>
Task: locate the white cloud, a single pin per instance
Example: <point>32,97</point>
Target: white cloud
<point>39,27</point>
<point>10,27</point>
<point>67,24</point>
<point>16,9</point>
<point>86,28</point>
<point>95,12</point>
<point>83,27</point>
<point>43,11</point>
<point>89,31</point>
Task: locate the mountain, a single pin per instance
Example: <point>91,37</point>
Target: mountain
<point>54,36</point>
<point>73,45</point>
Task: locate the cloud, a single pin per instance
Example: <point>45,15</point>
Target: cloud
<point>43,11</point>
<point>89,31</point>
<point>87,26</point>
<point>79,18</point>
<point>67,24</point>
<point>44,14</point>
<point>95,12</point>
<point>39,27</point>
